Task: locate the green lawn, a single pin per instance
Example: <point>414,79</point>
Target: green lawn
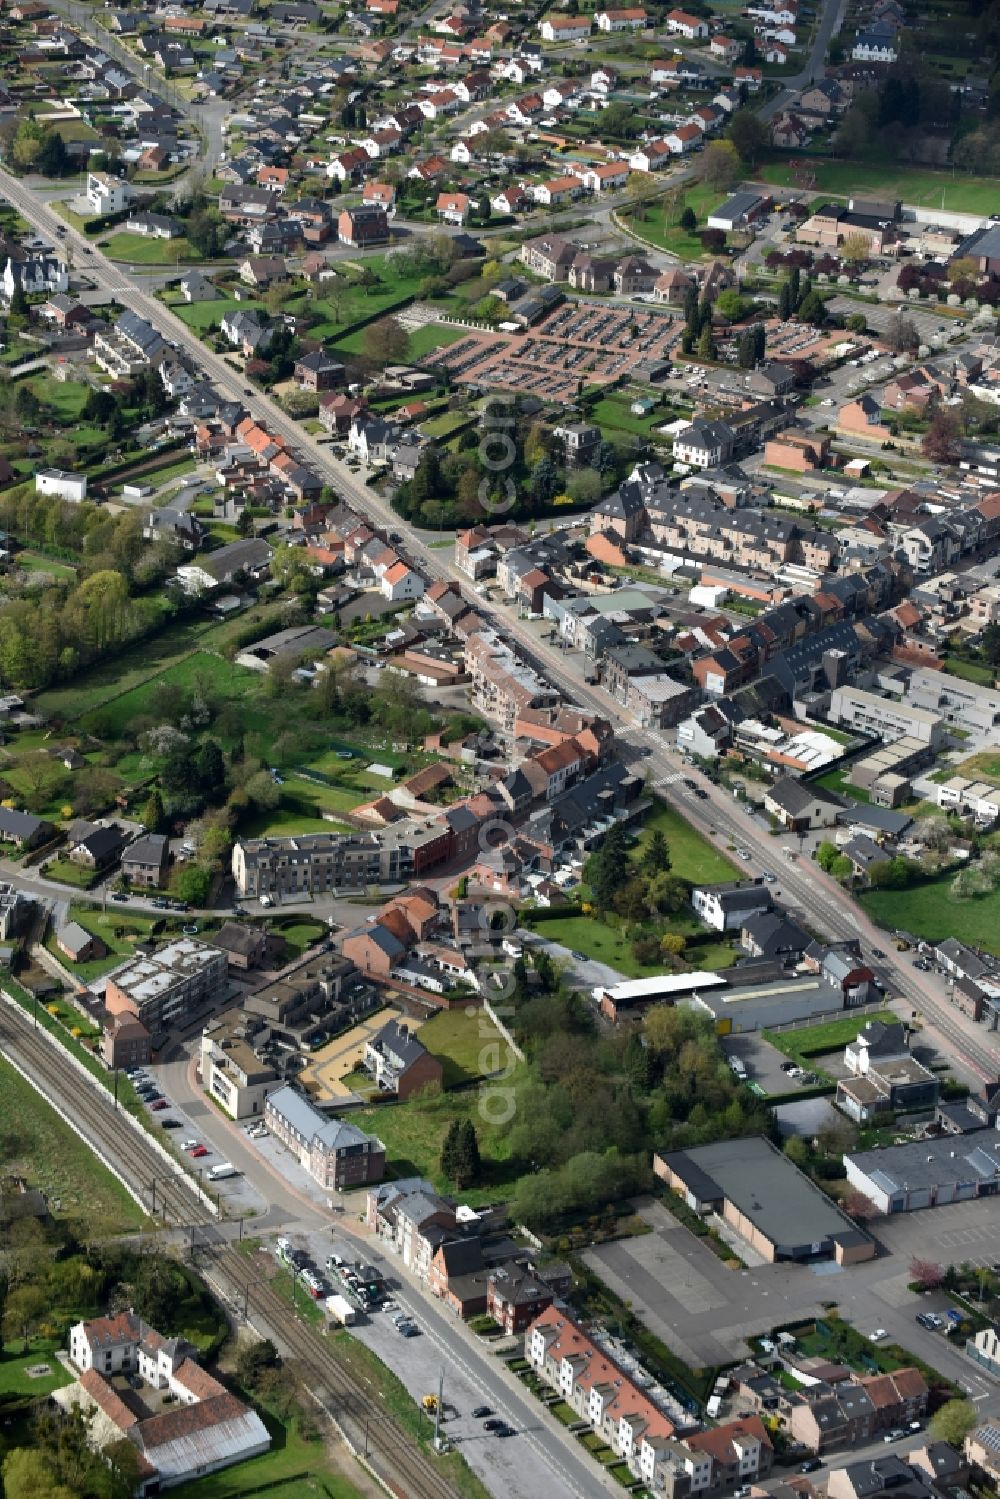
<point>929,910</point>
<point>301,935</point>
<point>34,562</point>
<point>433,336</point>
<point>468,1044</point>
<point>66,398</point>
<point>294,815</point>
<point>219,676</point>
<point>203,316</point>
<point>652,222</point>
<point>837,781</point>
<point>137,249</point>
<point>830,1035</point>
<point>694,857</point>
<point>47,1152</point>
<point>605,944</point>
<point>341,798</point>
<point>613,411</point>
<point>15,1381</point>
<point>122,672</point>
<point>918,186</point>
<point>414,1132</point>
<point>67,873</point>
<point>983,766</point>
<point>970,671</point>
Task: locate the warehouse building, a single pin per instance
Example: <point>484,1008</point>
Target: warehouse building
<point>928,1173</point>
<point>767,1200</point>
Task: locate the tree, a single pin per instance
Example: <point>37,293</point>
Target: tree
<point>797,1151</point>
<point>706,343</point>
<point>263,790</point>
<point>210,768</point>
<point>245,526</point>
<point>466,1165</point>
<point>191,884</point>
<point>252,1358</point>
<point>124,1471</point>
<point>731,304</point>
<point>784,301</point>
<point>656,859</point>
<point>812,309</point>
<point>24,1309</point>
<point>856,323</point>
<point>856,248</point>
<point>927,1274</point>
<point>689,221</point>
<point>672,945</point>
<point>450,1149</point>
<point>386,341</point>
<point>720,165</point>
<point>953,1422</point>
<point>901,334</point>
<point>941,440</point>
<point>608,869</point>
<point>749,135</point>
<point>857,1206</point>
<point>28,1475</point>
<point>826,855</point>
<point>152,813</point>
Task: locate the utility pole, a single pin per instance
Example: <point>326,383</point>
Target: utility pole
<point>437,1413</point>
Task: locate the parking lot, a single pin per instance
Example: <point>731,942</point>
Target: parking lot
<point>234,1192</point>
<point>577,341</point>
<point>514,1466</point>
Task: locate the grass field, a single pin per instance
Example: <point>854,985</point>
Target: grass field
<point>912,185</point>
<point>468,1044</point>
<point>137,249</point>
<point>201,316</point>
<point>68,873</point>
<point>931,911</point>
<point>414,1132</point>
<point>836,781</point>
<point>694,857</point>
<point>830,1035</point>
<point>613,411</point>
<point>198,666</point>
<point>982,767</point>
<point>669,235</point>
<point>605,944</point>
<point>51,1156</point>
<point>433,336</point>
<point>34,562</point>
<point>970,671</point>
<point>122,672</point>
<point>15,1381</point>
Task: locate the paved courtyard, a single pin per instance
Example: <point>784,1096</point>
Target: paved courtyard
<point>324,1076</point>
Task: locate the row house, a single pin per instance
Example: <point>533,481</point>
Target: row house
<point>633,19</point>
<point>502,685</point>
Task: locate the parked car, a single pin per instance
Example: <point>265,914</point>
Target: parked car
<point>158,1104</point>
<point>481,1411</point>
<point>811,1465</point>
<point>198,1151</point>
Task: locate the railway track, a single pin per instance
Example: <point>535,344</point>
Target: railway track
<point>391,1451</point>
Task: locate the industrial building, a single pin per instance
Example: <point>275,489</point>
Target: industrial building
<point>928,1173</point>
<point>769,1202</point>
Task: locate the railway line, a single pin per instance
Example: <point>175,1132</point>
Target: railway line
<point>390,1450</point>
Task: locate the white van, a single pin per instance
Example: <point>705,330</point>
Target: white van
<point>220,1172</point>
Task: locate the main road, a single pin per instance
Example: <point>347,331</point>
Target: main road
<point>825,904</point>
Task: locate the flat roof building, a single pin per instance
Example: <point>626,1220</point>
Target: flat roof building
<point>928,1173</point>
<point>163,987</point>
<point>767,1199</point>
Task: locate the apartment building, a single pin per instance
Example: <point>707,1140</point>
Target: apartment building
<point>883,718</point>
<point>502,686</point>
<point>335,1152</point>
<point>233,1072</point>
<point>314,862</point>
<point>408,1217</point>
<point>165,986</point>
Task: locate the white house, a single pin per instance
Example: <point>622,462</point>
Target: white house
<point>107,194</point>
<point>564,28</point>
<point>873,47</point>
<point>725,907</point>
<point>57,481</point>
<point>401,582</point>
<point>683,138</point>
<point>634,19</point>
<point>679,23</point>
<point>651,157</point>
